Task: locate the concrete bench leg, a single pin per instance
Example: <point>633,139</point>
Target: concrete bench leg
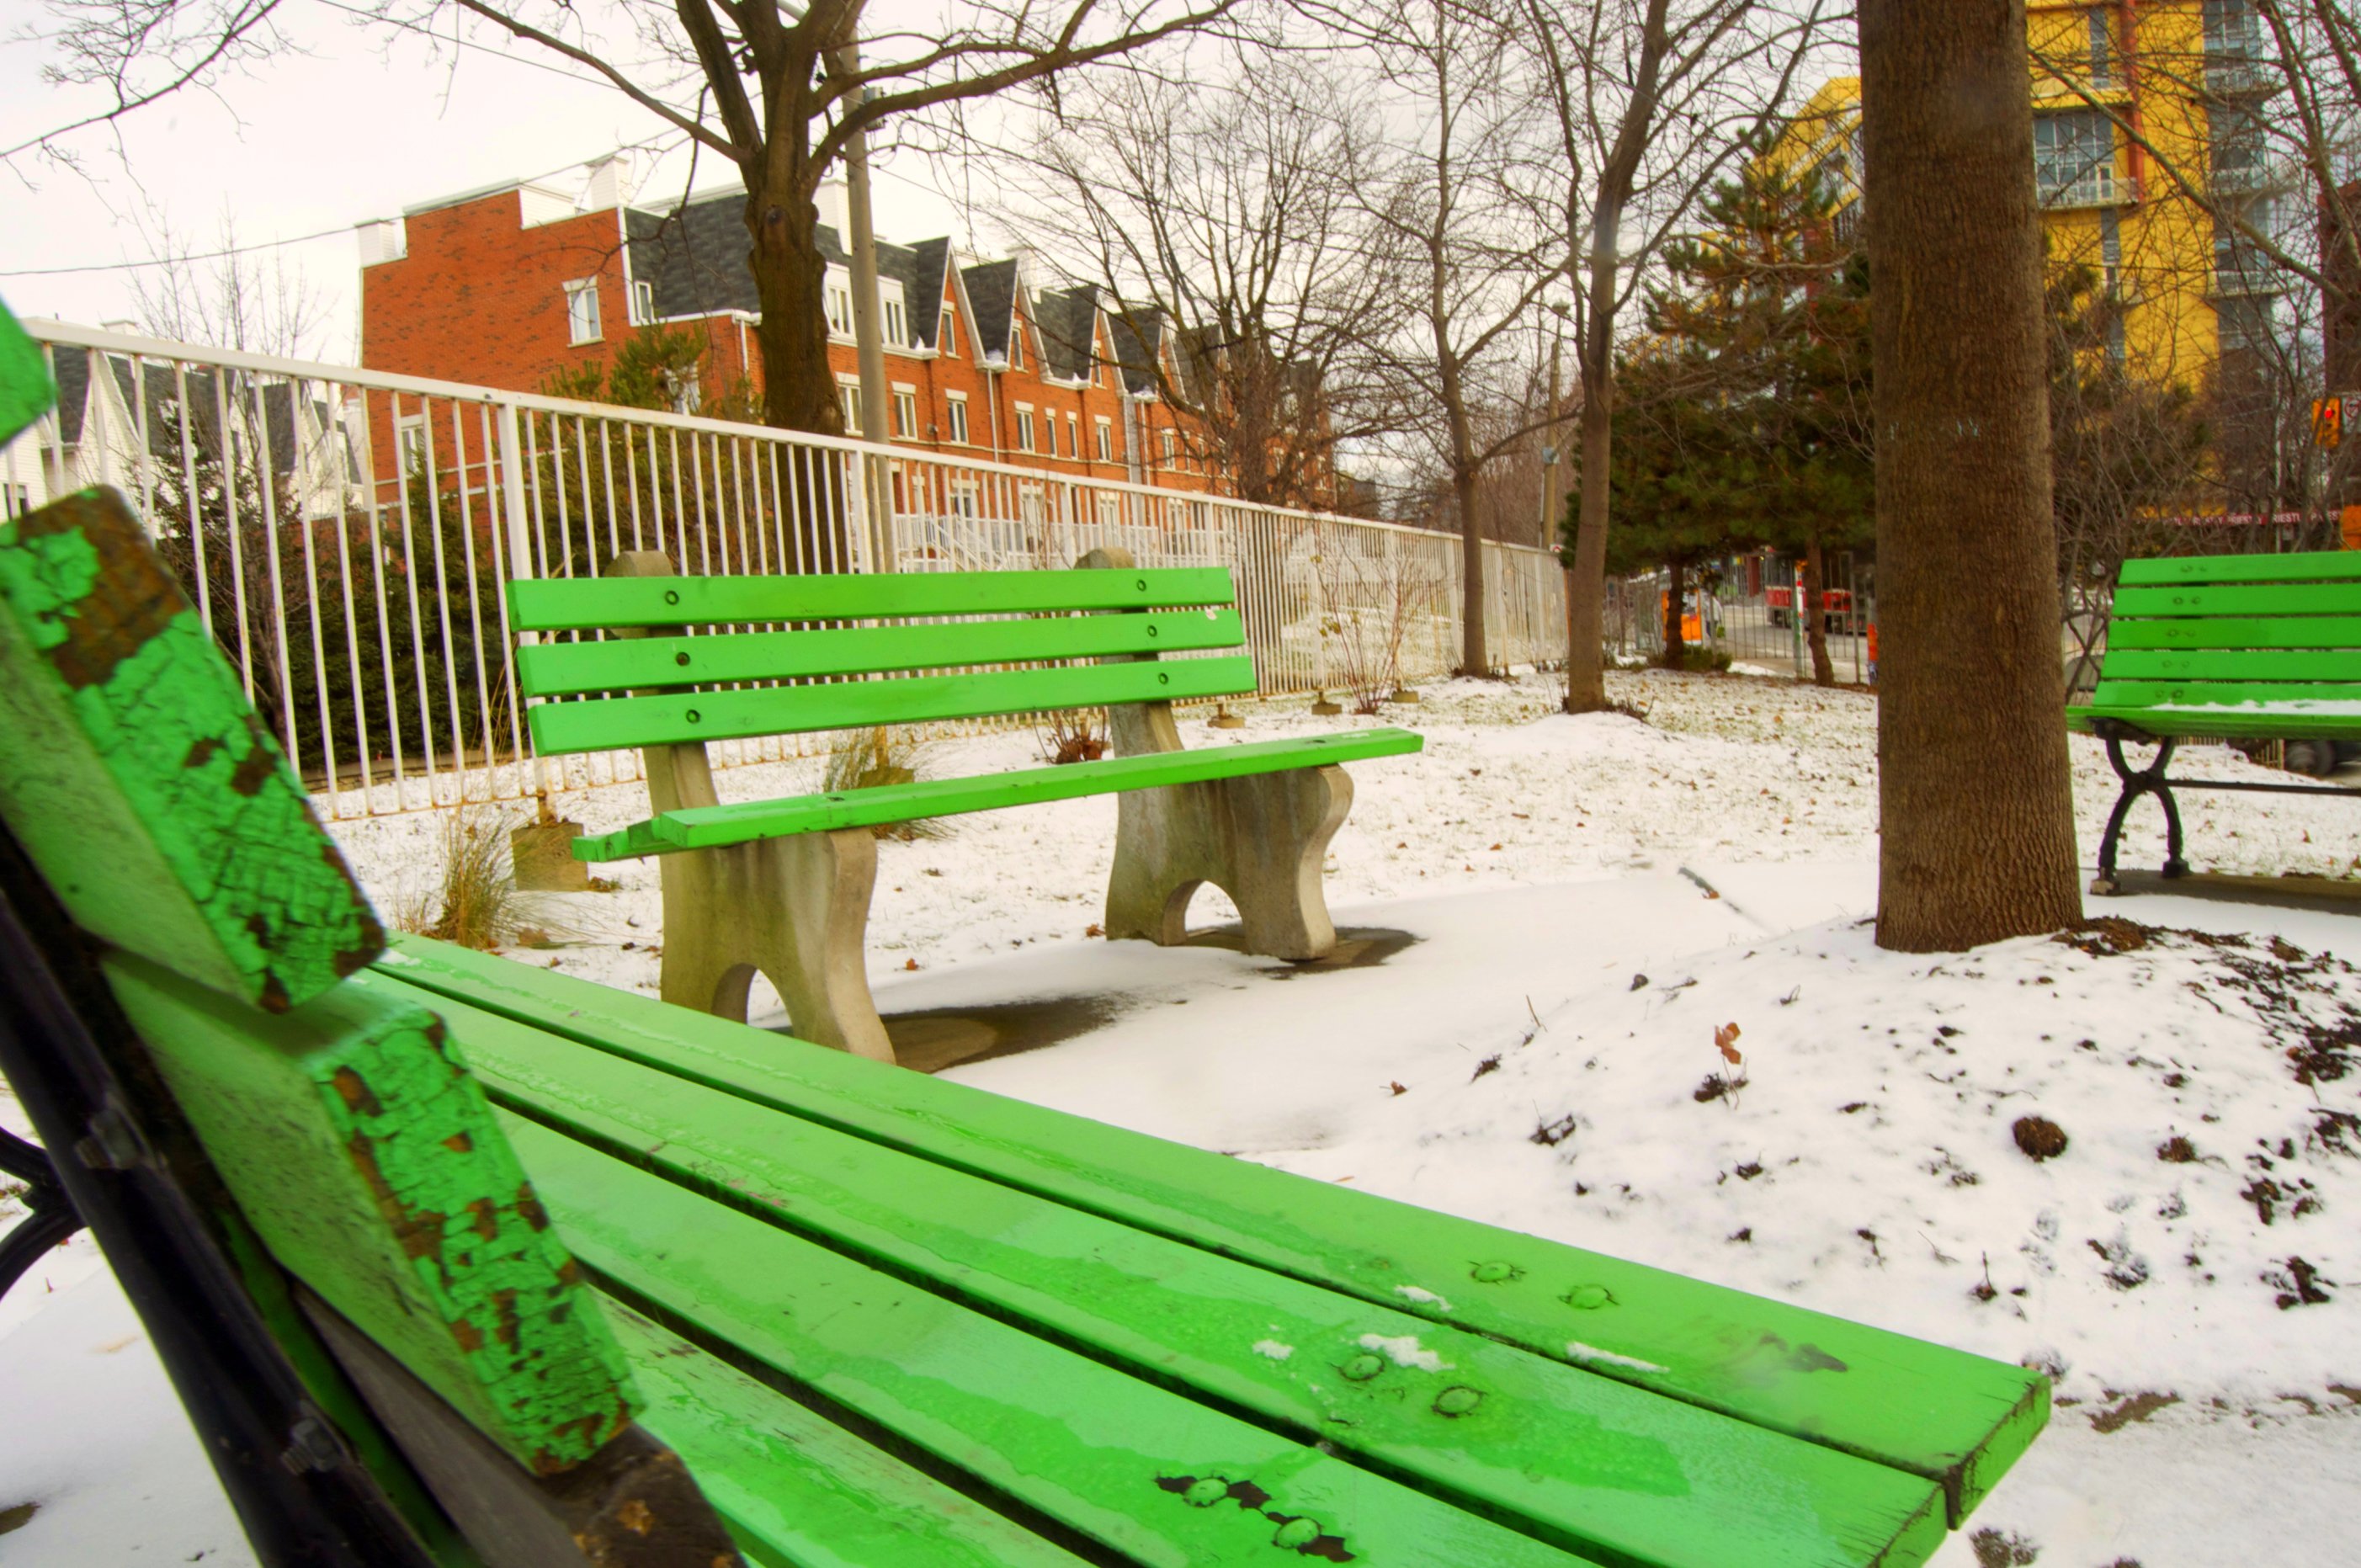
<point>797,910</point>
<point>1261,839</point>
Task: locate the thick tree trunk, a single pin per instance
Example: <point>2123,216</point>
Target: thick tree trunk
<point>1586,585</point>
<point>798,387</point>
<point>1972,769</point>
<point>1811,594</point>
<point>1676,589</point>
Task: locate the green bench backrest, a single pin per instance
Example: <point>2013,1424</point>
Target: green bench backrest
<point>2230,629</point>
<point>163,816</point>
<point>1037,620</point>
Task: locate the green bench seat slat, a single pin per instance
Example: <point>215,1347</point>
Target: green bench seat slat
<point>2240,598</point>
<point>586,604</point>
<point>2224,724</point>
<point>1079,1443</point>
<point>708,827</point>
<point>564,669</point>
<point>2284,699</point>
<point>1580,1460</point>
<point>1955,1419</point>
<point>796,1489</point>
<point>2311,566</point>
<point>674,719</point>
<point>2294,631</point>
<point>2339,666</point>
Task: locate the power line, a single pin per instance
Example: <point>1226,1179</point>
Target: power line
<point>171,260</point>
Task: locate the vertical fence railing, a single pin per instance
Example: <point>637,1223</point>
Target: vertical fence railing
<point>347,538</point>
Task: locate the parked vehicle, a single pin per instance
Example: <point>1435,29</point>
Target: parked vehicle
<point>1835,605</point>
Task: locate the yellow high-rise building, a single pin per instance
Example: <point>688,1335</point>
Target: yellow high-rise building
<point>2147,142</point>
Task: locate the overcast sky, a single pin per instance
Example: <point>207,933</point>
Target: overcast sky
<point>361,126</point>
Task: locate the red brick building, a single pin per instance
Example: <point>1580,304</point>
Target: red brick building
<point>511,285</point>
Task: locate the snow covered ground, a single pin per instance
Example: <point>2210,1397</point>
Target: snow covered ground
<point>1550,919</point>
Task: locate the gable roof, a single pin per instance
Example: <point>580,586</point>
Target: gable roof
<point>1138,338</point>
<point>1068,321</point>
<point>992,296</point>
<point>163,394</point>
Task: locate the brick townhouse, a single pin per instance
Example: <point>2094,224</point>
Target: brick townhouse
<point>511,284</point>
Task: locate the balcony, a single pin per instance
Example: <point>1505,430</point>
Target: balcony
<point>2240,76</point>
<point>2093,188</point>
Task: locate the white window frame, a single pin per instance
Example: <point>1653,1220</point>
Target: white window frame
<point>955,408</point>
<point>1073,436</point>
<point>643,302</point>
<point>897,324</point>
<point>839,307</point>
<point>1025,427</point>
<point>582,322</point>
<point>966,500</point>
<point>410,442</point>
<point>905,410</point>
<point>1106,438</point>
<point>848,392</point>
<point>947,333</point>
<point>1171,444</point>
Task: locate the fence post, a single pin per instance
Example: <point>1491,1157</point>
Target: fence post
<point>519,564</point>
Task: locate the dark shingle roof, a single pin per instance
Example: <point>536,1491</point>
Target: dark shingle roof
<point>695,257</point>
<point>1068,320</point>
<point>1137,338</point>
<point>991,294</point>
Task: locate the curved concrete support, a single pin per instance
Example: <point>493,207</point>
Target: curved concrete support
<point>797,908</point>
<point>1262,839</point>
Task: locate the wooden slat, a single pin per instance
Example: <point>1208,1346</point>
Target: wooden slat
<point>1956,1419</point>
<point>584,604</point>
<point>1102,1454</point>
<point>366,1158</point>
<point>799,1489</point>
<point>706,827</point>
<point>2289,699</point>
<point>2338,671</point>
<point>561,669</point>
<point>598,724</point>
<point>2265,598</point>
<point>1557,1453</point>
<point>2219,724</point>
<point>2297,631</point>
<point>134,774</point>
<point>2307,566</point>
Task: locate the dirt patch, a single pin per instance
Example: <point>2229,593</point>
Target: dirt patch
<point>2137,1408</point>
<point>2040,1137</point>
<point>2176,1150</point>
<point>18,1516</point>
<point>1995,1549</point>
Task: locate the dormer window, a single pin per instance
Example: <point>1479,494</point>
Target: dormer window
<point>946,336</point>
<point>839,309</point>
<point>897,325</point>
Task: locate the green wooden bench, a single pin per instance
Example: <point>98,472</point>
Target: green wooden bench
<point>783,886</point>
<point>2223,647</point>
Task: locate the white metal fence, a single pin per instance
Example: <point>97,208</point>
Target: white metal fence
<point>347,537</point>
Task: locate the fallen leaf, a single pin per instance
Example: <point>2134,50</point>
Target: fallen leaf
<point>1722,1038</point>
<point>1094,930</point>
<point>909,963</point>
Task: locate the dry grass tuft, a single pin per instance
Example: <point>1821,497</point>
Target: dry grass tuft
<point>871,759</point>
<point>476,903</point>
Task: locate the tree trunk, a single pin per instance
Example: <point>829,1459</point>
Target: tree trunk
<point>1676,592</point>
<point>1475,651</point>
<point>1811,593</point>
<point>798,387</point>
<point>1973,781</point>
<point>1586,585</point>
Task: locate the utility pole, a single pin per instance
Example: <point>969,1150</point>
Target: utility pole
<point>868,327</point>
<point>1555,509</point>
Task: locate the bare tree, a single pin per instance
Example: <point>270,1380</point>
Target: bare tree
<point>778,90</point>
<point>1449,189</point>
<point>1648,101</point>
<point>1973,784</point>
<point>1214,216</point>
